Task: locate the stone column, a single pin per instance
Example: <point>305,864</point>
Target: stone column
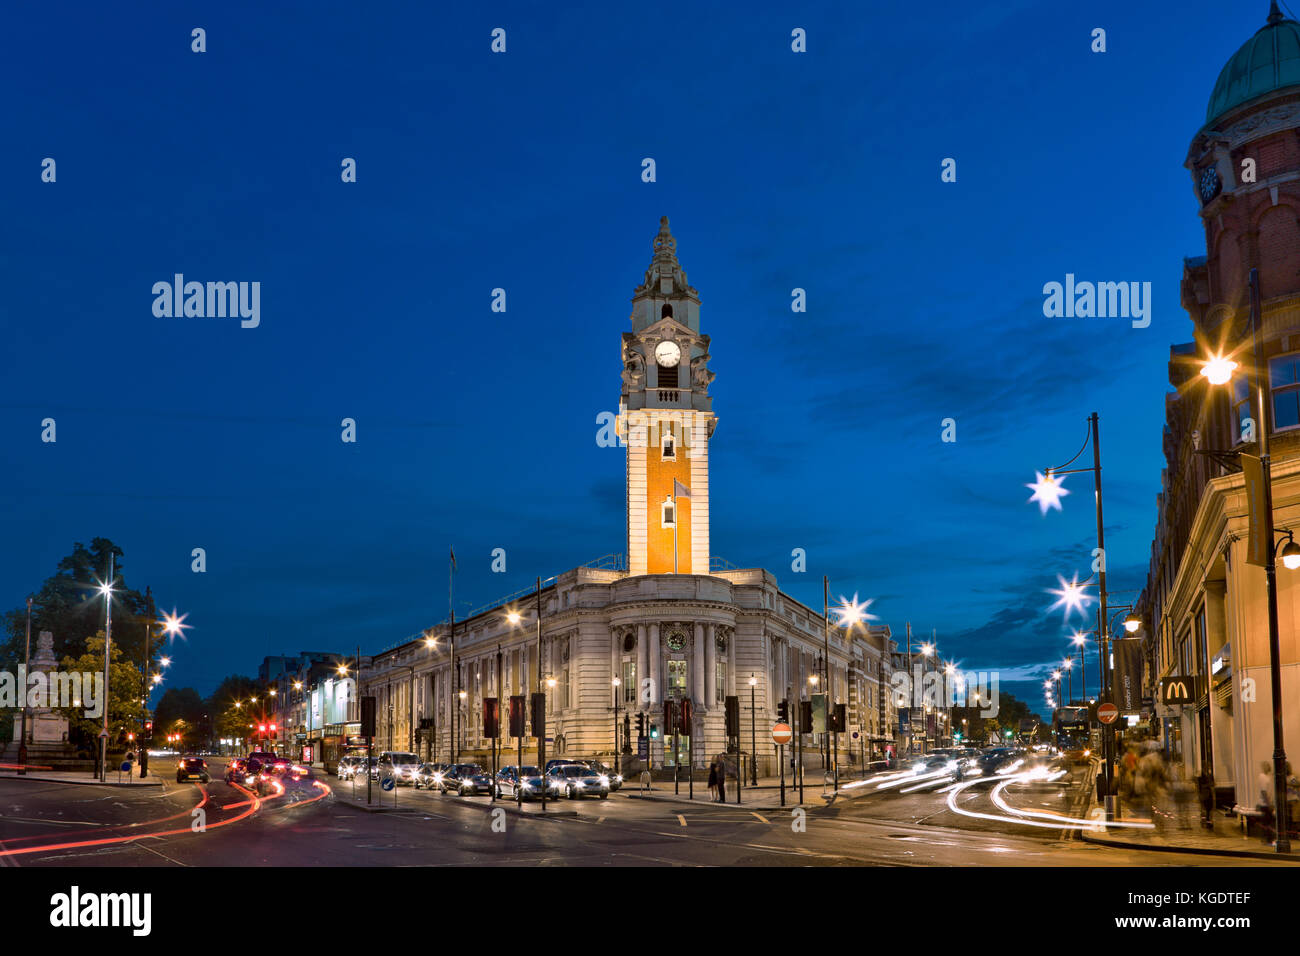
<point>642,661</point>
<point>697,666</point>
<point>710,666</point>
<point>652,665</point>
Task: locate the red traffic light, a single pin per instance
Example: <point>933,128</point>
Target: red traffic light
<point>261,728</point>
<point>273,728</point>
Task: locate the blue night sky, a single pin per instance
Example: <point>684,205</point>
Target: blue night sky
<point>477,429</point>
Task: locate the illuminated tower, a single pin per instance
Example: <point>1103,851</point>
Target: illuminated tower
<point>666,420</point>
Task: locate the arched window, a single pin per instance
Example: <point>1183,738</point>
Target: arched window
<point>668,517</point>
<point>666,312</point>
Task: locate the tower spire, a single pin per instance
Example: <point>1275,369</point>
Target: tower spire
<point>1274,16</point>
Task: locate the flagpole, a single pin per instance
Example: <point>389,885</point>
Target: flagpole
<point>676,516</point>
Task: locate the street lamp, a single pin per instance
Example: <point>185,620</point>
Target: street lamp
<point>1067,665</point>
<point>753,733</point>
<point>1080,640</point>
<point>1218,371</point>
<point>106,589</point>
<point>616,683</point>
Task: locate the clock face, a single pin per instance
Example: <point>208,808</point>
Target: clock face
<point>1209,183</point>
<point>676,640</point>
<point>668,354</point>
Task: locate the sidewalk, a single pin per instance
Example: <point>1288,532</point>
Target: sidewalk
<point>83,778</point>
<point>1187,835</point>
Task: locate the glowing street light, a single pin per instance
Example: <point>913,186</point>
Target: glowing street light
<point>1132,623</point>
<point>1218,369</point>
<point>1048,490</point>
<point>1071,595</point>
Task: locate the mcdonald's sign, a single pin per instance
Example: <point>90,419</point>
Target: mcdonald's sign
<point>1180,690</point>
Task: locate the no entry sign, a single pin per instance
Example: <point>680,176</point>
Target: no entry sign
<point>1107,713</point>
<point>781,733</point>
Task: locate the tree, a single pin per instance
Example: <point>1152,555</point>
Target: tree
<point>124,704</point>
<point>228,719</point>
<point>70,606</point>
<point>179,703</point>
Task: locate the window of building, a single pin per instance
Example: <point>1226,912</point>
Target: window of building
<point>668,518</point>
<point>1284,379</point>
<point>1240,407</point>
<point>677,679</point>
<point>721,677</point>
<point>669,447</point>
<point>629,680</point>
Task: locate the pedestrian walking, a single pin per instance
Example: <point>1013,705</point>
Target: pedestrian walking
<point>1205,790</point>
<point>713,781</point>
<point>722,781</point>
<point>1264,783</point>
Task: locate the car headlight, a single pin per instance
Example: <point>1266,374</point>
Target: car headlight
<point>605,781</point>
<point>525,786</point>
<point>618,778</point>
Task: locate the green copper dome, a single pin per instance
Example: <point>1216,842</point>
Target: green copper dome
<point>1268,61</point>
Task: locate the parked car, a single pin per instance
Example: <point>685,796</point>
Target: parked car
<point>190,768</point>
<point>400,765</point>
<point>466,779</point>
<point>576,781</point>
<point>429,775</point>
<point>612,776</point>
<point>520,783</point>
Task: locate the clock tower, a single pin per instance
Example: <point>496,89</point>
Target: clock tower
<point>666,420</point>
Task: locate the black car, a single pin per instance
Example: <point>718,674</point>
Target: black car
<point>576,781</point>
<point>191,768</point>
<point>465,779</point>
<point>429,775</point>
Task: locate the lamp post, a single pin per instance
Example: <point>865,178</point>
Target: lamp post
<point>1218,370</point>
<point>1067,665</point>
<point>540,732</point>
<point>616,683</point>
<point>1080,640</point>
<point>27,664</point>
<point>753,733</point>
<point>106,589</point>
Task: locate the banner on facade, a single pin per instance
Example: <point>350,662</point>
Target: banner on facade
<point>819,713</point>
<point>1258,544</point>
<point>1126,684</point>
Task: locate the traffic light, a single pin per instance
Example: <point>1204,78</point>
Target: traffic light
<point>805,716</point>
<point>148,728</point>
<point>491,718</point>
<point>640,725</point>
<point>684,717</point>
<point>783,711</point>
<point>733,716</point>
<point>517,715</point>
<point>367,716</point>
<point>839,719</point>
<point>654,732</point>
<point>670,716</point>
<point>538,715</point>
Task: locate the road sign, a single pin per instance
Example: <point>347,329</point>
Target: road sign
<point>1107,713</point>
<point>855,735</point>
<point>643,747</point>
<point>126,766</point>
<point>388,783</point>
<point>781,733</point>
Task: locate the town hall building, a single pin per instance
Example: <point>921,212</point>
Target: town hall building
<point>665,620</point>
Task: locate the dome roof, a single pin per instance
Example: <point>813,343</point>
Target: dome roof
<point>1268,61</point>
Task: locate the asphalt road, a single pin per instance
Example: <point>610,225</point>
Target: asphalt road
<point>306,825</point>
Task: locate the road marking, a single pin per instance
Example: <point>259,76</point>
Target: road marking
<point>760,816</point>
<point>681,819</point>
